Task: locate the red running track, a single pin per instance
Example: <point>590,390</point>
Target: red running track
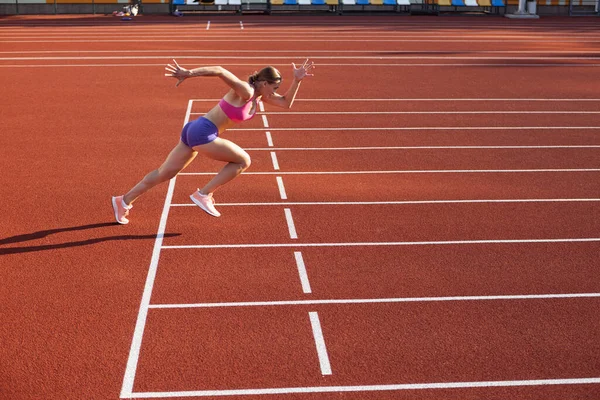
<point>423,223</point>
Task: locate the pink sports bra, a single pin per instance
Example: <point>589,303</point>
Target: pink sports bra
<point>237,114</point>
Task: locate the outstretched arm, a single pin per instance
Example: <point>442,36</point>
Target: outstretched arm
<point>243,89</point>
<point>288,98</point>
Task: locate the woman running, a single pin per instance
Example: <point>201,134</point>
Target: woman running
<point>202,135</point>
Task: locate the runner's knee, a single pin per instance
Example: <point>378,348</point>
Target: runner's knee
<point>245,161</point>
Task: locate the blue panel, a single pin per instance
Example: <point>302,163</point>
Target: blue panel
<point>362,2</point>
<point>178,2</point>
<point>498,3</point>
<point>318,2</point>
<point>459,3</point>
<point>290,2</point>
<point>389,2</point>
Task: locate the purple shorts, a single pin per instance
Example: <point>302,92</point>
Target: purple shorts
<point>197,132</point>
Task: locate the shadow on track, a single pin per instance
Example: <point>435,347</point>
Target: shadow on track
<point>42,234</point>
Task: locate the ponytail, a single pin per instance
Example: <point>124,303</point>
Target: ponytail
<point>252,79</point>
<point>269,74</point>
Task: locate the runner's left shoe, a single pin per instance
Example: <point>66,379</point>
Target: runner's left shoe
<point>121,210</point>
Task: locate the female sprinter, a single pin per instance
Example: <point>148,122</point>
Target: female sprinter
<point>202,135</point>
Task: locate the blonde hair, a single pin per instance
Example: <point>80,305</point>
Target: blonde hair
<point>269,74</point>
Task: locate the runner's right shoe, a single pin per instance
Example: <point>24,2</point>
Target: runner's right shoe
<point>205,202</point>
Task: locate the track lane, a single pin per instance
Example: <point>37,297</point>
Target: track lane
<point>373,223</point>
<point>424,187</point>
<point>416,342</point>
<point>343,138</point>
<point>257,189</point>
<point>364,273</point>
<point>434,120</point>
<point>419,160</point>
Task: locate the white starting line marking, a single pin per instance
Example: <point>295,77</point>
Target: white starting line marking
<point>427,112</point>
<point>290,223</point>
<point>398,202</point>
<point>416,171</point>
<point>208,25</point>
<point>320,343</point>
<point>484,129</point>
<point>585,146</point>
<point>302,272</point>
<point>281,188</point>
<point>241,25</point>
<point>380,301</point>
<point>359,244</point>
<point>477,99</point>
<point>269,139</point>
<point>368,388</point>
<point>275,162</point>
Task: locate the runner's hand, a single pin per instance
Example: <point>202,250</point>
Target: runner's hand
<point>302,71</point>
<point>180,73</point>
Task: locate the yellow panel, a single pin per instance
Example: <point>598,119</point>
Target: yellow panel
<point>332,2</point>
<point>484,3</point>
<point>376,2</point>
<point>277,2</point>
<point>445,2</point>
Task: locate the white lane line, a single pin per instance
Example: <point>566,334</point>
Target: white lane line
<point>430,171</point>
<point>302,272</point>
<point>269,139</point>
<point>368,388</point>
<point>377,244</point>
<point>136,344</point>
<point>569,112</point>
<point>188,112</point>
<point>306,38</point>
<point>233,64</point>
<point>477,99</point>
<point>241,25</point>
<point>265,122</point>
<point>398,202</point>
<point>320,343</point>
<point>424,148</point>
<point>287,52</point>
<point>282,192</point>
<point>238,57</point>
<point>208,25</point>
<point>381,300</point>
<point>426,112</point>
<point>426,128</point>
<point>23,33</point>
<point>275,162</point>
<point>290,223</point>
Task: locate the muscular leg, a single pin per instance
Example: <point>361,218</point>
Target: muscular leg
<point>224,150</point>
<point>177,160</point>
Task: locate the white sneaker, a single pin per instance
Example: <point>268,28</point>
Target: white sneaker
<point>205,202</point>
